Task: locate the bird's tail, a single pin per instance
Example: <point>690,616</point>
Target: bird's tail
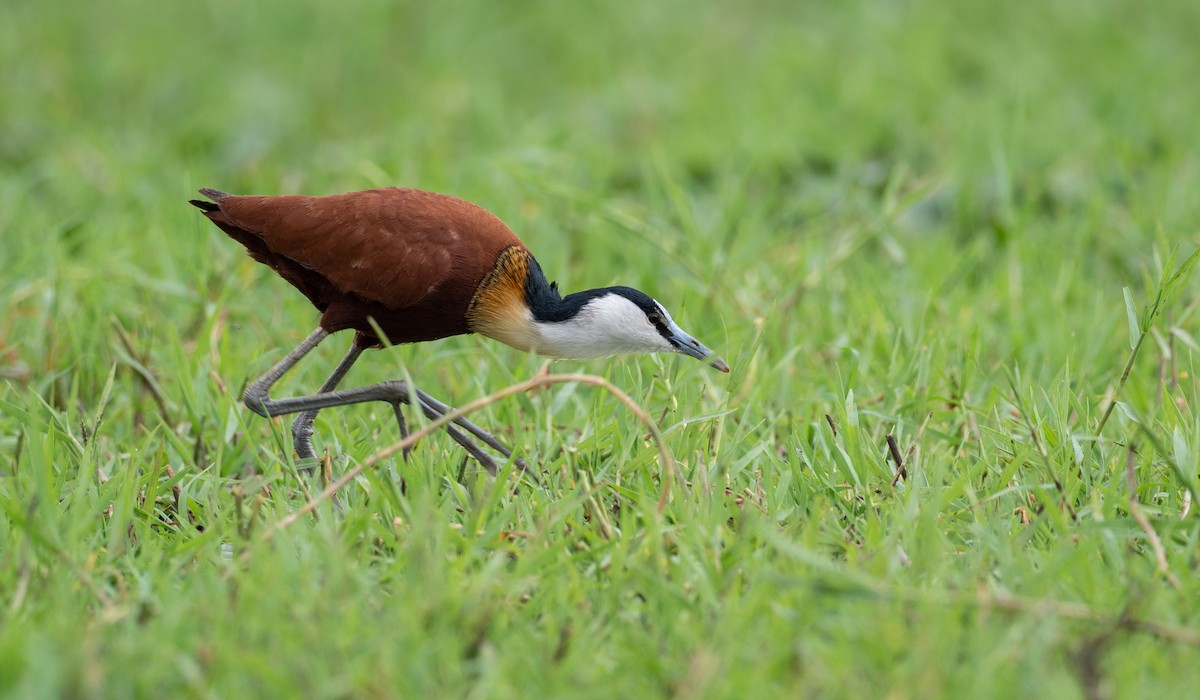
<point>215,195</point>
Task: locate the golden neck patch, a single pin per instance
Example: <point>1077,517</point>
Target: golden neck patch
<point>498,309</point>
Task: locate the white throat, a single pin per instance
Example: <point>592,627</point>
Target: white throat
<point>607,325</point>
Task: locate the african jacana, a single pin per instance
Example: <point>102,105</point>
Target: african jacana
<point>424,266</point>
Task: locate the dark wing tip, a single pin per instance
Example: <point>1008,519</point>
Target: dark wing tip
<point>203,205</point>
<point>215,195</point>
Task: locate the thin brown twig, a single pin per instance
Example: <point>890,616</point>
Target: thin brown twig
<point>176,495</point>
<point>986,599</point>
<point>1079,611</point>
<point>901,471</point>
<point>1152,315</point>
<point>1160,554</point>
<point>1042,607</point>
<point>16,465</point>
<point>139,366</point>
<point>668,461</point>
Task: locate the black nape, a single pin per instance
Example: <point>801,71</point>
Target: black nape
<point>548,306</point>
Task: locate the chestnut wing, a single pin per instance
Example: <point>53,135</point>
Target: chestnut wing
<point>392,246</point>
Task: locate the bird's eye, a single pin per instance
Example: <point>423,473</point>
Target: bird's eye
<point>654,317</point>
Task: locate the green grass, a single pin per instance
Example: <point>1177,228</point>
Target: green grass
<point>890,218</point>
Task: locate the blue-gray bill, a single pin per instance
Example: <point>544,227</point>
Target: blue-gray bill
<point>691,347</point>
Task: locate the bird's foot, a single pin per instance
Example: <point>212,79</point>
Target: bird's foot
<point>435,409</point>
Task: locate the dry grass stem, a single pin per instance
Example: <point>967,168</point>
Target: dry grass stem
<point>1160,554</point>
<point>667,460</point>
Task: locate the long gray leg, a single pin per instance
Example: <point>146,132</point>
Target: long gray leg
<point>394,392</point>
<point>302,427</point>
<point>255,397</point>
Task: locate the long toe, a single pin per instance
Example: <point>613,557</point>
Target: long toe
<point>435,409</point>
<point>302,432</point>
<point>462,421</point>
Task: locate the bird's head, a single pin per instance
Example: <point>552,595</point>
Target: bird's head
<point>516,305</point>
<point>613,321</point>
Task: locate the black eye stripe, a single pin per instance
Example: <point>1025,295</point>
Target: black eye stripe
<point>661,326</point>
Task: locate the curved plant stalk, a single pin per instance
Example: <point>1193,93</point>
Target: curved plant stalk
<point>666,458</point>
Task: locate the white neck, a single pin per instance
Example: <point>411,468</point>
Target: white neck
<point>605,325</point>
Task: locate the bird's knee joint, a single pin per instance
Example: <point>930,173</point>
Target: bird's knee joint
<point>256,400</point>
<point>399,388</point>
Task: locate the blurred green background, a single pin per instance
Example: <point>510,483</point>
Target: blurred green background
<point>910,218</point>
<point>1069,124</point>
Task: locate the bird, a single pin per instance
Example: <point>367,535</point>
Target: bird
<point>403,265</point>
